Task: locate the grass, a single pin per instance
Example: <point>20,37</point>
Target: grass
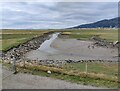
<point>108,34</point>
<point>76,73</point>
<point>12,38</point>
<point>79,80</point>
<point>15,31</point>
<point>106,78</point>
<point>72,75</point>
<point>0,61</point>
<point>99,74</point>
<point>110,69</point>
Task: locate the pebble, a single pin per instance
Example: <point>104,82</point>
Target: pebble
<point>49,72</point>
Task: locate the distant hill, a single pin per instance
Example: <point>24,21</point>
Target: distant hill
<point>106,23</point>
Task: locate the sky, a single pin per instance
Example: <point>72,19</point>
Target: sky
<point>54,15</point>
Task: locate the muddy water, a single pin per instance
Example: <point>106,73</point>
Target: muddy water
<point>45,46</point>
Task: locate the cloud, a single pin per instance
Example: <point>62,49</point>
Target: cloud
<point>44,15</point>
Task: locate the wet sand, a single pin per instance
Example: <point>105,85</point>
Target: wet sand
<point>73,49</point>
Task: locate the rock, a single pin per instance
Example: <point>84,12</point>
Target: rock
<point>69,61</point>
<point>49,72</point>
<point>116,44</point>
<point>21,64</point>
<point>11,62</point>
<point>20,50</point>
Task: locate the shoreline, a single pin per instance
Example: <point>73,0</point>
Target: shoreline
<point>72,53</point>
<point>21,49</point>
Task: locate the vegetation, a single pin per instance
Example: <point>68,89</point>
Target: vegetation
<point>11,38</point>
<point>110,69</point>
<point>99,74</point>
<point>85,34</point>
<point>0,61</point>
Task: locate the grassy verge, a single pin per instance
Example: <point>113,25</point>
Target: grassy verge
<point>80,80</point>
<point>110,69</point>
<point>90,78</point>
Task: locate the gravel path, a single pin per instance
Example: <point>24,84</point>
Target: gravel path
<point>27,81</point>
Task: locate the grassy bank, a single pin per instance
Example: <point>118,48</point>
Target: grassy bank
<point>109,69</point>
<point>12,38</point>
<point>108,34</point>
<point>97,74</point>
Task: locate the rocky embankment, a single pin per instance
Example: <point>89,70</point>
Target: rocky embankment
<point>98,41</point>
<point>19,51</point>
<point>104,43</point>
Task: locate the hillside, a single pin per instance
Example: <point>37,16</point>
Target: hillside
<point>106,23</point>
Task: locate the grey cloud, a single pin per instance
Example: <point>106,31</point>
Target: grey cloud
<point>55,15</point>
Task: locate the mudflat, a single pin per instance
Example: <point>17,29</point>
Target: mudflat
<point>74,49</point>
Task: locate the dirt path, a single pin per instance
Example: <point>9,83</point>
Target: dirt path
<point>27,81</point>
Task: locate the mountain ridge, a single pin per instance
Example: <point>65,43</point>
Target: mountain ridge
<point>106,23</point>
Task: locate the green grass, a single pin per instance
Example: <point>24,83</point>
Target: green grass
<point>79,80</point>
<point>99,74</point>
<point>12,38</point>
<point>0,61</point>
<point>71,74</point>
<point>75,73</point>
<point>110,35</point>
<point>110,69</point>
<point>15,31</point>
<point>16,36</point>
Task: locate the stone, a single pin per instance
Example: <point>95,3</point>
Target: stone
<point>49,72</point>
